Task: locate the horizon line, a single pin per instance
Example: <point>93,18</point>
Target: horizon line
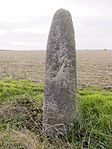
<point>86,49</point>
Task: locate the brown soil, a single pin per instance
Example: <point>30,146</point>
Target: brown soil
<point>94,68</point>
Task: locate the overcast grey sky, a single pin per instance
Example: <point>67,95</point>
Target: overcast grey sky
<point>25,24</point>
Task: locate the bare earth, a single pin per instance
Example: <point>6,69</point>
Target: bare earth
<point>94,68</point>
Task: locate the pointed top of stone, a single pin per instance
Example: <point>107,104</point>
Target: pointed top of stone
<point>61,28</point>
<point>61,10</point>
<point>62,13</point>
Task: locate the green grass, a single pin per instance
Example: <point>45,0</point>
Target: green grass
<point>10,88</point>
<point>95,116</point>
<point>21,118</point>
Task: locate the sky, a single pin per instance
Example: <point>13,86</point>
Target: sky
<point>25,24</point>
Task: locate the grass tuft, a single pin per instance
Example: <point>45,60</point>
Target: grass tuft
<point>21,118</point>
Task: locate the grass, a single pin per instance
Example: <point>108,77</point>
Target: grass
<point>21,118</point>
<point>9,89</point>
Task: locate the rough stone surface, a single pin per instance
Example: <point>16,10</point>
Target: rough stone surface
<point>60,76</point>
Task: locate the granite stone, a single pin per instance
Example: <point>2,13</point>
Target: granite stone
<point>59,107</point>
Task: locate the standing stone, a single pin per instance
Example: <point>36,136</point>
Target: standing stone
<point>60,76</point>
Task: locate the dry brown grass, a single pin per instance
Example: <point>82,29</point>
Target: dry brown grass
<point>18,139</point>
<point>94,68</point>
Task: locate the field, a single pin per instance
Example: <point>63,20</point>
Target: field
<point>21,100</point>
<point>94,68</point>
